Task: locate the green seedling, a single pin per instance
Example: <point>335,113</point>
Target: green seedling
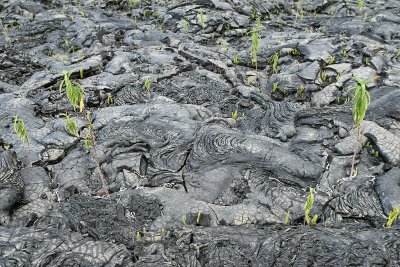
<point>307,209</point>
<point>186,25</point>
<point>66,42</point>
<point>81,73</point>
<point>275,63</point>
<point>323,76</point>
<point>376,154</point>
<point>75,92</point>
<point>361,98</point>
<point>184,219</point>
<point>287,217</point>
<point>65,58</point>
<point>132,3</point>
<point>295,52</point>
<point>275,87</point>
<point>22,134</point>
<point>202,18</point>
<point>258,21</point>
<point>236,59</point>
<point>392,217</point>
<point>360,4</point>
<point>20,130</point>
<point>138,236</point>
<point>331,60</point>
<point>147,84</point>
<point>198,217</point>
<point>300,90</point>
<point>344,54</point>
<point>255,46</point>
<point>4,29</point>
<point>110,100</point>
<point>54,56</point>
<point>70,125</point>
<point>234,114</point>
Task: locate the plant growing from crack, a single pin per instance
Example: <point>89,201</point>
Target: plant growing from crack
<point>202,18</point>
<point>361,98</point>
<point>235,59</point>
<point>186,25</point>
<point>75,94</point>
<point>70,125</point>
<point>392,217</point>
<point>255,46</point>
<point>4,29</point>
<point>307,209</point>
<point>22,134</point>
<point>275,63</point>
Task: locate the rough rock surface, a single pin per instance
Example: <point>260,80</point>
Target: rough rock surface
<point>199,156</point>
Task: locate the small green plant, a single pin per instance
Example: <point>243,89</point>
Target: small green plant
<point>198,217</point>
<point>74,90</point>
<point>287,217</point>
<point>234,114</point>
<point>255,46</point>
<point>147,84</point>
<point>344,54</point>
<point>235,59</point>
<point>132,3</point>
<point>202,18</point>
<point>323,76</point>
<point>295,52</point>
<point>331,60</point>
<point>138,236</point>
<point>70,125</point>
<point>376,154</point>
<point>186,25</point>
<point>361,98</point>
<point>4,29</point>
<point>300,90</point>
<point>20,130</point>
<point>392,217</point>
<point>275,63</point>
<point>22,134</point>
<point>360,4</point>
<point>307,209</point>
<point>110,100</point>
<point>184,219</point>
<point>81,73</point>
<point>275,87</point>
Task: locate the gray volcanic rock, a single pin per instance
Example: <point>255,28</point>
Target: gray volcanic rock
<point>187,149</point>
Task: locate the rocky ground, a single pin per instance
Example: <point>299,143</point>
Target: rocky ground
<point>199,156</point>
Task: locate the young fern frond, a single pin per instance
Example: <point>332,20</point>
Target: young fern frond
<point>307,209</point>
<point>70,125</point>
<point>75,92</point>
<point>392,217</point>
<point>255,46</point>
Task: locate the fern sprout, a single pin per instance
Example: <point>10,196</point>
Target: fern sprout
<point>20,130</point>
<point>392,217</point>
<point>275,62</point>
<point>75,91</point>
<point>255,46</point>
<point>70,125</point>
<point>307,209</point>
<point>147,84</point>
<point>202,18</point>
